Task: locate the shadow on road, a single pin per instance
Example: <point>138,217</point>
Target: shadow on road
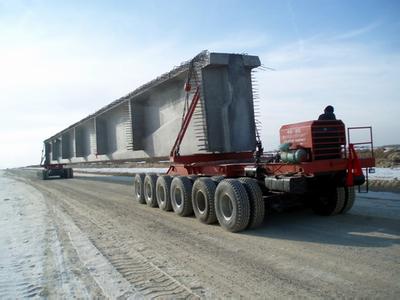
<point>347,230</point>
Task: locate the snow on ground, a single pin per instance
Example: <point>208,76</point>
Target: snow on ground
<point>22,250</point>
<point>385,174</point>
<point>33,261</point>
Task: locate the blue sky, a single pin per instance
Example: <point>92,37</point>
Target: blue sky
<point>62,60</point>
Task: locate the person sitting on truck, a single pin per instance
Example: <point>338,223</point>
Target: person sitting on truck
<point>328,114</point>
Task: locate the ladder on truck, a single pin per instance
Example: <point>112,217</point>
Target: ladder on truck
<point>364,148</point>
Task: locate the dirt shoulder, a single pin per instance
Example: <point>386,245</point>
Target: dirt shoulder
<point>384,186</point>
<point>387,156</point>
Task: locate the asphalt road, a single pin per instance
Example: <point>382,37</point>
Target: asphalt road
<point>127,249</point>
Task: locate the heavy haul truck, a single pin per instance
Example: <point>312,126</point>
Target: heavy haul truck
<point>315,165</point>
<point>52,170</point>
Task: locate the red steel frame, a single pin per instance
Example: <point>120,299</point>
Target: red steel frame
<point>211,165</point>
<point>227,164</point>
<point>185,124</point>
<point>54,166</point>
<point>371,141</point>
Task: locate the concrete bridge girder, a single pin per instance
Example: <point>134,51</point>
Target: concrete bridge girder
<point>146,122</point>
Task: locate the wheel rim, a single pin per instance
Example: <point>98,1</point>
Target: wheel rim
<point>161,194</point>
<point>201,202</point>
<point>148,191</point>
<point>226,207</point>
<point>178,197</point>
<point>137,189</point>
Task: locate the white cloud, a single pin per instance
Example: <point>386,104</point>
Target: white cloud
<point>357,32</point>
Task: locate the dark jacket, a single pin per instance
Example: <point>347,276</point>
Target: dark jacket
<point>327,116</point>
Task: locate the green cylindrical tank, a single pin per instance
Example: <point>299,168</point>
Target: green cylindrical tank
<point>294,156</point>
<point>285,147</point>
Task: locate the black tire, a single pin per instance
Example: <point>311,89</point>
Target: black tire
<point>64,173</point>
<point>163,192</point>
<point>138,190</point>
<point>192,178</point>
<point>232,205</point>
<point>257,204</point>
<point>69,173</point>
<point>350,198</point>
<point>181,196</point>
<point>203,200</point>
<point>149,189</point>
<point>217,179</point>
<point>329,202</point>
<point>45,175</point>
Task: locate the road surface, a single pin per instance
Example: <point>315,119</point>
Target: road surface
<point>86,237</point>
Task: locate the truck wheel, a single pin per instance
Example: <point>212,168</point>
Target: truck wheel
<point>64,173</point>
<point>350,197</point>
<point>203,200</point>
<point>257,205</point>
<point>138,191</point>
<point>70,173</point>
<point>163,191</point>
<point>149,188</point>
<point>45,175</point>
<point>217,179</point>
<point>181,196</point>
<point>330,202</point>
<point>192,178</point>
<point>232,205</point>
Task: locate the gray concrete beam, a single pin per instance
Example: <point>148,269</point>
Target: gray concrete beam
<point>228,95</point>
<point>85,141</point>
<point>145,123</point>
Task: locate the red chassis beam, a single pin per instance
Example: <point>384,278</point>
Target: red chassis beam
<point>226,164</point>
<point>54,166</point>
<point>234,164</point>
<point>317,166</point>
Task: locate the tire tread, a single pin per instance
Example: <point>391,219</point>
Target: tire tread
<point>207,186</point>
<point>165,181</point>
<point>186,186</point>
<point>257,205</point>
<point>350,198</point>
<point>153,180</point>
<point>241,220</point>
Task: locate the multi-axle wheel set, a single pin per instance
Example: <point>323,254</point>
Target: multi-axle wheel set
<point>59,172</point>
<point>237,204</point>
